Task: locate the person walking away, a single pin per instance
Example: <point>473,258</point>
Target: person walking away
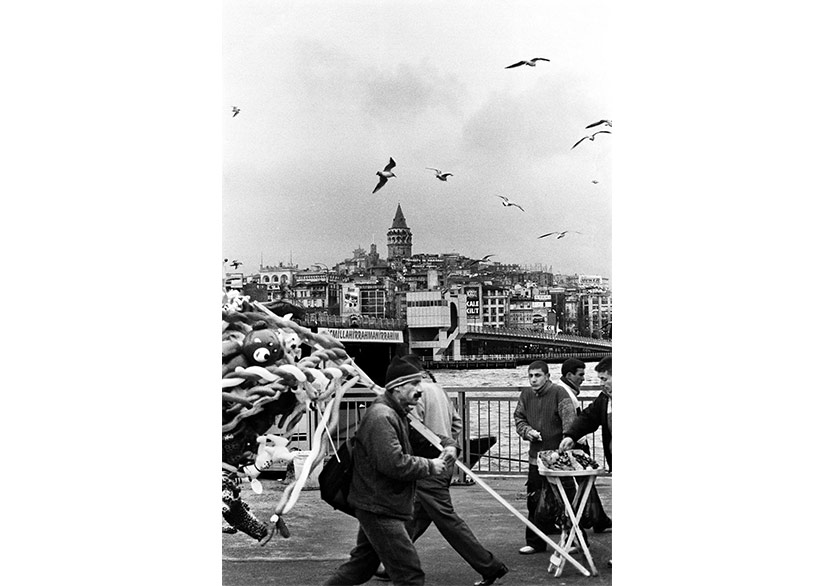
<point>383,483</point>
<point>537,418</point>
<point>573,374</point>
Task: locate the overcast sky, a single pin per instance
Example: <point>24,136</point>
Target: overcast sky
<point>329,90</point>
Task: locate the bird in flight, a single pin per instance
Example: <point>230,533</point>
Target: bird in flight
<point>385,174</point>
<point>235,111</point>
<point>595,181</point>
<point>477,261</point>
<point>559,234</point>
<point>236,263</point>
<point>599,122</point>
<point>591,136</point>
<point>507,203</point>
<point>439,175</point>
<point>531,63</point>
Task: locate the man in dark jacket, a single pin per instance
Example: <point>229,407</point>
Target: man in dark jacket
<point>383,484</point>
<point>598,414</point>
<point>573,374</point>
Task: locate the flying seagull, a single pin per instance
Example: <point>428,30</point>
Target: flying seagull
<point>439,175</point>
<point>599,122</point>
<point>595,181</point>
<point>560,234</point>
<point>235,111</point>
<point>482,259</point>
<point>591,137</point>
<point>385,174</point>
<point>531,63</point>
<point>236,263</point>
<point>507,203</point>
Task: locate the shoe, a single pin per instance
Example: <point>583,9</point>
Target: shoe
<point>488,581</point>
<point>603,527</point>
<point>528,550</point>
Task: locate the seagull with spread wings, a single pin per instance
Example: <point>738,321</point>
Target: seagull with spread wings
<point>475,262</point>
<point>559,234</point>
<point>385,174</point>
<point>507,203</point>
<point>599,122</point>
<point>591,137</point>
<point>439,175</point>
<point>235,111</point>
<point>531,63</point>
<point>236,263</point>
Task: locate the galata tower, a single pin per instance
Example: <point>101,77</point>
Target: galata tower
<point>399,237</point>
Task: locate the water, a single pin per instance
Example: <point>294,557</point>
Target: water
<point>503,377</point>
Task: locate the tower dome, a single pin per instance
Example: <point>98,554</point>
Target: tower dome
<point>399,237</point>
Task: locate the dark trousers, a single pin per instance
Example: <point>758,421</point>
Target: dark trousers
<point>433,504</point>
<point>380,539</point>
<point>534,486</point>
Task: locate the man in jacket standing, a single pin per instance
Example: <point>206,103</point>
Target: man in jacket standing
<point>598,414</point>
<point>383,484</point>
<point>538,421</point>
<point>573,374</point>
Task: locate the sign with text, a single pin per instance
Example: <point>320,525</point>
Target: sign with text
<point>359,335</point>
<point>473,304</point>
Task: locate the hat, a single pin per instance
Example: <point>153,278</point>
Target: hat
<point>571,365</point>
<point>400,372</point>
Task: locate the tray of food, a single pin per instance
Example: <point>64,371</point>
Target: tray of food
<point>569,463</point>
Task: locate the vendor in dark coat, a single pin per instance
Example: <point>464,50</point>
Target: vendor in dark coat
<point>598,414</point>
<point>383,485</point>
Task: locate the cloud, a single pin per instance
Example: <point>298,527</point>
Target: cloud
<point>410,90</point>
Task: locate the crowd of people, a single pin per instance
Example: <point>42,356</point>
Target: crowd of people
<point>400,484</point>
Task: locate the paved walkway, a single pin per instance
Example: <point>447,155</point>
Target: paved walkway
<point>321,539</point>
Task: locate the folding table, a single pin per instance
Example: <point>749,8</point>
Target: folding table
<point>574,511</point>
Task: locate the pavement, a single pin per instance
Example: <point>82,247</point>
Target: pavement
<point>321,539</point>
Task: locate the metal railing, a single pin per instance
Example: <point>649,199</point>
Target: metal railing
<point>504,357</point>
<point>485,411</point>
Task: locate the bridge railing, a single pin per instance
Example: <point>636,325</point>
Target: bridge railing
<point>506,357</point>
<point>485,412</point>
<point>531,333</point>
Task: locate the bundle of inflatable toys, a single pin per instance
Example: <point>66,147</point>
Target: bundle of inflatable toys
<point>267,383</point>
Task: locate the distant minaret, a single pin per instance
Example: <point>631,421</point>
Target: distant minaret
<point>399,237</point>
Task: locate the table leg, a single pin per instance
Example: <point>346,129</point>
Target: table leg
<point>575,533</point>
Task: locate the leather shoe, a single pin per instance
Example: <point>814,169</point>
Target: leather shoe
<point>528,550</point>
<point>603,527</point>
<point>488,581</point>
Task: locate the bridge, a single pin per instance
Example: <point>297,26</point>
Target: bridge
<point>458,344</point>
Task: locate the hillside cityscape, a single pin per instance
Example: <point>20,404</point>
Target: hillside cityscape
<point>367,287</point>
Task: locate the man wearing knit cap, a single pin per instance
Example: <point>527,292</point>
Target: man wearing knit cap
<point>538,420</point>
<point>383,485</point>
<point>433,503</point>
<point>573,374</point>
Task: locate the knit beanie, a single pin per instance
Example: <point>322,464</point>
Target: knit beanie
<point>400,372</point>
<point>571,365</point>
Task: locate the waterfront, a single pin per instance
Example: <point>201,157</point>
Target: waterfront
<point>502,377</point>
